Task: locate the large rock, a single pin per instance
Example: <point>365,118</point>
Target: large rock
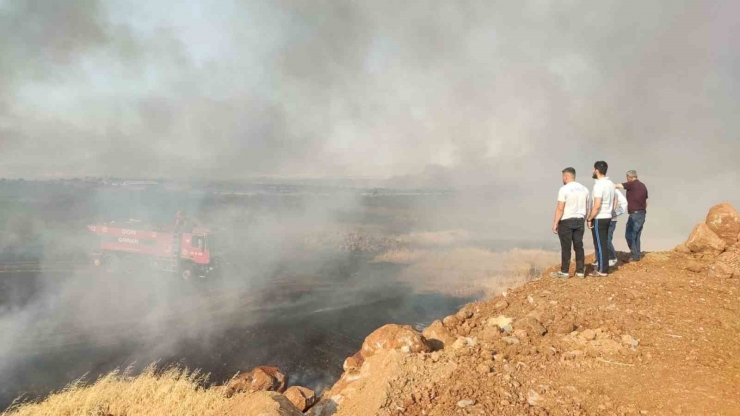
<point>721,270</point>
<point>353,363</point>
<point>438,336</point>
<point>394,337</point>
<point>260,403</point>
<point>500,321</point>
<point>326,407</point>
<point>704,241</point>
<point>262,378</point>
<point>365,392</point>
<point>731,259</point>
<point>531,325</point>
<point>564,326</point>
<point>681,248</point>
<point>301,397</point>
<point>450,321</point>
<point>724,220</point>
<point>694,267</point>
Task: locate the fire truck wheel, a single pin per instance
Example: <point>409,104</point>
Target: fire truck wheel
<point>186,273</point>
<point>111,263</point>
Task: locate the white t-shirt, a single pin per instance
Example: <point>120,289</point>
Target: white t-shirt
<point>621,204</point>
<point>604,189</point>
<point>576,198</point>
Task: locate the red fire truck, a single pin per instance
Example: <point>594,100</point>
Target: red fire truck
<point>184,248</point>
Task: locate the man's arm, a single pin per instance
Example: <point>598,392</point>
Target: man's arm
<point>619,186</point>
<point>558,215</point>
<point>615,204</point>
<point>594,211</point>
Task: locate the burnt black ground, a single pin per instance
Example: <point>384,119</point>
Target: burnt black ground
<point>304,332</point>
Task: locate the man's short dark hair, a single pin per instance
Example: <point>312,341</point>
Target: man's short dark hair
<point>601,166</point>
<point>572,171</point>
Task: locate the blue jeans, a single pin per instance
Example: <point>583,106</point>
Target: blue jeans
<point>634,232</point>
<point>612,251</point>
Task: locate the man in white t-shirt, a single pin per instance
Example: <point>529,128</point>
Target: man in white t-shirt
<point>621,204</point>
<point>572,208</point>
<point>601,216</point>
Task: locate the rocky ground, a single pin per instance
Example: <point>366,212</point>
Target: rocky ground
<point>659,336</point>
<point>653,338</point>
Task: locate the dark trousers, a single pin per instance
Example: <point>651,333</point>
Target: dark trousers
<point>634,232</point>
<point>601,242</point>
<point>570,232</point>
<point>612,251</point>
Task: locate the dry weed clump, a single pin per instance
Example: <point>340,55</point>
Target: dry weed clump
<point>175,392</point>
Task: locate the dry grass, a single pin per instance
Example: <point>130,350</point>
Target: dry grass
<point>437,238</point>
<point>402,256</point>
<point>175,392</point>
<point>468,271</point>
<point>471,257</point>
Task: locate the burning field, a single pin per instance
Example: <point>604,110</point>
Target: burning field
<point>303,278</point>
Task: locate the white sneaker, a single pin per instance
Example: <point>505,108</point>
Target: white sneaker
<point>612,263</point>
<point>595,264</point>
<point>559,275</point>
<point>580,275</point>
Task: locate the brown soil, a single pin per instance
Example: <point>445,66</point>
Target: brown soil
<point>652,338</point>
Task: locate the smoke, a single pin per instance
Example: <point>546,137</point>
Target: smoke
<point>491,99</point>
<point>276,278</point>
<point>491,95</point>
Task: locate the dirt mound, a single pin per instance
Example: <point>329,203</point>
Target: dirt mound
<point>658,336</point>
<point>573,347</point>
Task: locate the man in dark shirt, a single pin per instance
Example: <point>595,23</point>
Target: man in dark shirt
<point>637,202</point>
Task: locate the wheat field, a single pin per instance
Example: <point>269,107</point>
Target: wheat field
<point>172,392</point>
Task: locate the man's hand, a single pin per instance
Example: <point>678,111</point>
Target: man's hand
<point>558,216</point>
<point>594,211</point>
<point>590,224</point>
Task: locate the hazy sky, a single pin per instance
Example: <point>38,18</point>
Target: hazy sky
<point>466,90</point>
